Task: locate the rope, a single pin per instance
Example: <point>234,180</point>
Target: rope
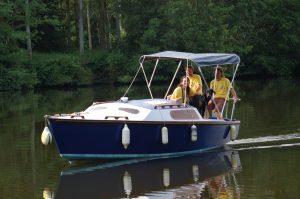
<point>132,82</point>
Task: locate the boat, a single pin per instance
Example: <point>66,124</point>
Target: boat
<point>210,173</point>
<point>142,128</point>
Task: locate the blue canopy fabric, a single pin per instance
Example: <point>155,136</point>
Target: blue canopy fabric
<point>200,59</point>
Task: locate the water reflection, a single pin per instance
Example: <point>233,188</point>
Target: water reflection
<point>210,174</point>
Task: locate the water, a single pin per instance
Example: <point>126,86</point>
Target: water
<point>262,163</point>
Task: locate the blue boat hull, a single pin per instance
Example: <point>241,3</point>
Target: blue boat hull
<point>87,139</point>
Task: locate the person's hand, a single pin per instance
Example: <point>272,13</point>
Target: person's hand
<point>177,99</point>
<point>197,87</point>
<point>174,99</point>
<point>235,99</point>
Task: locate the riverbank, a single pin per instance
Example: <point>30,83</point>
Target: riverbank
<point>67,70</point>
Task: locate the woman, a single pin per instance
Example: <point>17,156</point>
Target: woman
<point>183,92</point>
<point>221,87</point>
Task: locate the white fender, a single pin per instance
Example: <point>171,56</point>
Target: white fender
<point>194,133</point>
<point>164,135</point>
<point>232,132</point>
<point>46,136</point>
<point>127,183</point>
<point>195,169</point>
<point>235,160</point>
<point>125,136</point>
<point>48,194</point>
<point>166,177</point>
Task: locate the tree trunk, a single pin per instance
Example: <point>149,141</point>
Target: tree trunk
<point>80,26</point>
<point>103,26</point>
<point>107,30</point>
<point>118,25</point>
<point>28,33</point>
<point>89,24</point>
<point>68,23</point>
<point>75,4</point>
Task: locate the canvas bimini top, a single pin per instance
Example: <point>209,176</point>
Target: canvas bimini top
<point>200,59</point>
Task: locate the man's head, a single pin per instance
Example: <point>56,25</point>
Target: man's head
<point>189,70</point>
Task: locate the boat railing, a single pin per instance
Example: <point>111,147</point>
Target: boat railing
<point>226,107</point>
<point>184,59</point>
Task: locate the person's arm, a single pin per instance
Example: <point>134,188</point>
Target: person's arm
<point>175,98</point>
<point>234,95</point>
<point>198,85</point>
<point>176,95</point>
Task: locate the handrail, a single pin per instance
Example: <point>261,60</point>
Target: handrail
<point>169,106</point>
<point>116,117</point>
<point>77,115</point>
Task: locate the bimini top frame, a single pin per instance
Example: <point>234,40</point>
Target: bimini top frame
<point>200,60</point>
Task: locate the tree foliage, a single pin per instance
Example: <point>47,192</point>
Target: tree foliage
<point>264,33</point>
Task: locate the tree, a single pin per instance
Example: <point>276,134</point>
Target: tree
<point>88,18</point>
<point>80,26</point>
<point>102,24</point>
<point>27,11</point>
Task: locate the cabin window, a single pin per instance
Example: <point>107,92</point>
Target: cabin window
<point>130,110</point>
<point>186,114</point>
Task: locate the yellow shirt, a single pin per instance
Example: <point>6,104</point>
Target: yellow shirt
<point>194,81</point>
<point>221,88</point>
<point>179,95</point>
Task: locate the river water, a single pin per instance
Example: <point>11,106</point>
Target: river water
<point>262,163</point>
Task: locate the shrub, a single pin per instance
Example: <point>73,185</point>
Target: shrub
<point>60,69</point>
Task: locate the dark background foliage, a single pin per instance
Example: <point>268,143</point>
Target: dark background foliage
<point>116,32</point>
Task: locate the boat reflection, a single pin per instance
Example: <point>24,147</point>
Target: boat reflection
<point>209,174</point>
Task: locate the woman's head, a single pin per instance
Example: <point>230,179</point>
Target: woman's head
<point>219,72</point>
<point>184,81</point>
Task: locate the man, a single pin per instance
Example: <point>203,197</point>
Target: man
<point>195,80</point>
<point>221,86</point>
<point>196,88</point>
